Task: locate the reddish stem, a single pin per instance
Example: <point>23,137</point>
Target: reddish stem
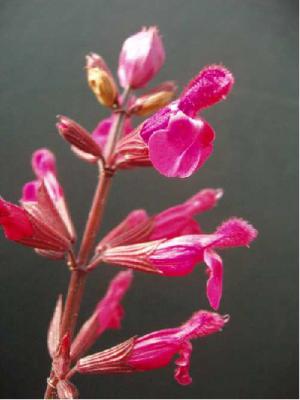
<point>79,273</point>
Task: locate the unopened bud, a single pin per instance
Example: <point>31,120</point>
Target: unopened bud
<point>78,136</point>
<point>100,80</point>
<point>155,99</point>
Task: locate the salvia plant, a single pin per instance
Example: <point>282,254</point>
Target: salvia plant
<point>176,141</point>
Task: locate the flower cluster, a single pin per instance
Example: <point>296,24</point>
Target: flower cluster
<point>176,141</point>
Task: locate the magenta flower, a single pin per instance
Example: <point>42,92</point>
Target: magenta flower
<point>141,57</point>
<point>138,226</point>
<point>179,144</point>
<point>156,349</point>
<point>178,220</point>
<point>107,315</point>
<point>178,256</point>
<point>44,166</point>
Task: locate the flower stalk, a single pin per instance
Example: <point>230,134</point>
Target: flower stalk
<point>79,273</point>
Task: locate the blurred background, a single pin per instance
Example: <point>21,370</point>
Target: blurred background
<point>43,45</point>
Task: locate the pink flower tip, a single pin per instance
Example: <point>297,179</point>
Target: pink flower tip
<point>236,232</point>
<point>211,85</point>
<point>43,161</point>
<point>203,323</point>
<point>93,60</point>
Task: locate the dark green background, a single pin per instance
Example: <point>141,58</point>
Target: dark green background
<point>43,44</point>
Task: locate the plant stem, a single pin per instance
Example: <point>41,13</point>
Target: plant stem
<point>79,273</point>
<point>95,215</point>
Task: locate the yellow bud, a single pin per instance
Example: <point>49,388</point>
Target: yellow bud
<point>103,86</point>
<point>149,104</point>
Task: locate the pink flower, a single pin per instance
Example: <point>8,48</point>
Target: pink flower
<point>178,220</point>
<point>141,57</point>
<point>107,315</point>
<point>156,349</point>
<point>179,144</point>
<point>178,256</point>
<point>44,166</point>
<point>138,226</point>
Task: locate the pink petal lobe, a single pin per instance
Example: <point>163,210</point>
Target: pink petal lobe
<point>182,148</point>
<point>43,161</point>
<point>181,374</point>
<point>215,281</point>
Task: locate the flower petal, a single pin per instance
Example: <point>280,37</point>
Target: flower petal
<point>214,284</point>
<point>181,148</point>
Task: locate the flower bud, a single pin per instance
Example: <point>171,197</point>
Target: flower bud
<point>100,80</point>
<point>77,136</point>
<point>153,100</point>
<point>141,57</point>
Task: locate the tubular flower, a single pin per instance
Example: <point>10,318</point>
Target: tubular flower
<point>107,315</point>
<point>44,166</point>
<point>141,57</point>
<point>156,349</point>
<point>178,256</point>
<point>178,220</point>
<point>175,221</point>
<point>178,142</point>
